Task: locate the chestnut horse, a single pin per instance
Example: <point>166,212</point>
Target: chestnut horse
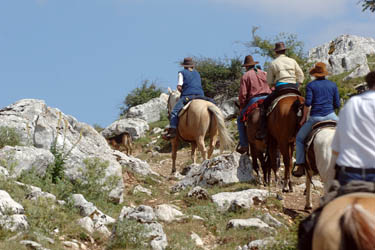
<point>282,125</point>
<point>347,223</point>
<point>320,160</point>
<point>258,148</point>
<point>201,118</point>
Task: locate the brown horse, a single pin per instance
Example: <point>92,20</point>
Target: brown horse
<point>201,118</point>
<point>282,125</point>
<point>347,223</point>
<point>258,148</point>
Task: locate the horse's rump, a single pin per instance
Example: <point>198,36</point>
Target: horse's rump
<point>347,222</point>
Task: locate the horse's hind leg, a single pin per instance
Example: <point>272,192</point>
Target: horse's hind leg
<point>174,143</point>
<point>202,147</point>
<point>272,155</point>
<point>212,145</point>
<point>254,160</point>
<point>193,152</point>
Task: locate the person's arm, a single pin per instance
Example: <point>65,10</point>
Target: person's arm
<point>180,81</point>
<point>242,94</point>
<point>305,113</point>
<point>299,74</point>
<point>270,76</point>
<point>336,99</point>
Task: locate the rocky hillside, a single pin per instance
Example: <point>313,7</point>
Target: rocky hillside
<point>63,187</point>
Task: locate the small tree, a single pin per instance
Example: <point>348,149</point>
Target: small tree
<point>140,95</point>
<point>219,77</point>
<point>368,5</point>
<point>295,50</point>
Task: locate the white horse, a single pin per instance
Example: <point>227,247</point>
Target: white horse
<point>320,158</point>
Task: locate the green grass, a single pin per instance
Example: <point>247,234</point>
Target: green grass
<point>371,62</point>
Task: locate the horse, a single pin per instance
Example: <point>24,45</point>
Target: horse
<point>282,126</point>
<point>319,159</point>
<point>258,148</point>
<point>123,139</point>
<point>346,223</point>
<point>201,118</point>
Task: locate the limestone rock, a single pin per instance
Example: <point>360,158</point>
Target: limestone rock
<point>249,223</point>
<point>168,213</point>
<point>246,198</point>
<point>347,53</point>
<point>134,126</point>
<point>150,111</point>
<point>199,193</point>
<point>41,127</point>
<point>223,169</point>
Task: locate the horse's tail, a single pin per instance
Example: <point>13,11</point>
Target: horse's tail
<point>226,141</point>
<point>358,227</point>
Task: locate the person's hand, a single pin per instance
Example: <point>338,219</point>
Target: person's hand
<point>303,120</point>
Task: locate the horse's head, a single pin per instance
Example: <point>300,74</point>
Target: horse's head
<point>174,96</point>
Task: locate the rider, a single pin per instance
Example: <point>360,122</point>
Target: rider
<point>190,86</point>
<point>283,72</point>
<point>253,87</point>
<point>322,98</point>
<point>354,140</point>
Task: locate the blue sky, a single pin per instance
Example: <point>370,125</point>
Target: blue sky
<point>85,56</point>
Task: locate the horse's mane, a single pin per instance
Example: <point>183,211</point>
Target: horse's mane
<point>358,228</point>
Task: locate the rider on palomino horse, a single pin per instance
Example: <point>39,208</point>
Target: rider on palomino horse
<point>283,72</point>
<point>354,140</point>
<point>322,98</point>
<point>190,86</point>
<point>253,87</point>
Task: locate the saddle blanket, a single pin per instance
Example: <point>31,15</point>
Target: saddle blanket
<point>276,101</point>
<point>250,109</point>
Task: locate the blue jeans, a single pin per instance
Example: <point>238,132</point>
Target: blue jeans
<point>177,108</point>
<point>344,177</point>
<point>304,132</point>
<point>241,125</point>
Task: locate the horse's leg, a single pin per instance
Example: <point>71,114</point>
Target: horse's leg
<point>290,165</point>
<point>308,204</point>
<point>272,157</point>
<point>254,159</point>
<point>285,150</point>
<point>174,143</point>
<point>212,145</point>
<point>202,147</point>
<point>193,152</point>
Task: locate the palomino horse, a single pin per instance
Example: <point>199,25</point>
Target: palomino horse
<point>320,160</point>
<point>282,124</point>
<point>347,223</point>
<point>201,118</point>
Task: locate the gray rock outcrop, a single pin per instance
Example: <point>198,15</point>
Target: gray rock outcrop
<point>136,127</point>
<point>150,111</point>
<point>12,216</point>
<point>345,53</point>
<point>223,169</point>
<point>244,199</point>
<point>41,127</point>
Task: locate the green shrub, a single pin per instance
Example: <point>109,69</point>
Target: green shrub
<point>9,136</point>
<point>140,95</point>
<point>129,234</point>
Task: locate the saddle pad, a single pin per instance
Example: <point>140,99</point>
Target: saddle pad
<point>276,101</point>
<point>182,111</point>
<point>316,129</point>
<point>250,109</point>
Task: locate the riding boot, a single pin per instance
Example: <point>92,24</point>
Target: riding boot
<point>300,171</point>
<point>171,134</point>
<point>262,130</point>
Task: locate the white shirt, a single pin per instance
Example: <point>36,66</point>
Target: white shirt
<point>355,134</point>
<point>180,80</point>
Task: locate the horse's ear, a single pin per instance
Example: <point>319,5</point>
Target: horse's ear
<point>169,90</point>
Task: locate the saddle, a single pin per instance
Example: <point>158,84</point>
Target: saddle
<point>280,95</point>
<point>316,128</point>
<point>187,102</point>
